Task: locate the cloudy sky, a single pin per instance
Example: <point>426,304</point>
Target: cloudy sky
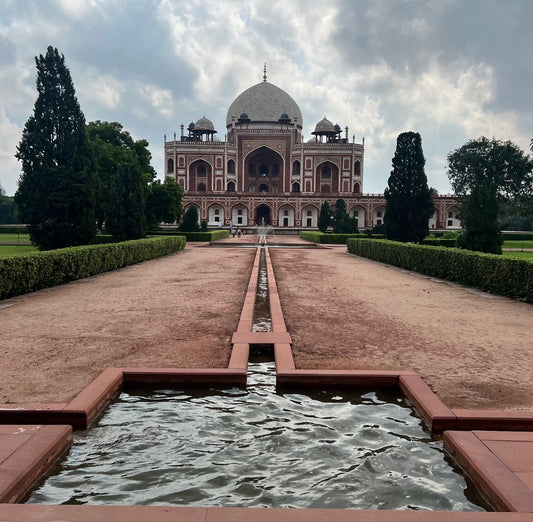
<point>451,70</point>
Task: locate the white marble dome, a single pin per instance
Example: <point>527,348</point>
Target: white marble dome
<point>264,103</point>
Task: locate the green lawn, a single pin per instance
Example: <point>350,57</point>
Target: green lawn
<point>11,250</point>
<point>15,238</point>
<point>519,255</point>
<point>518,244</point>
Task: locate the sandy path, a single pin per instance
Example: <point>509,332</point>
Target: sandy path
<point>473,349</point>
<point>177,311</point>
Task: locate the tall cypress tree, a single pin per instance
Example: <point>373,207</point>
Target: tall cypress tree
<point>55,196</point>
<point>409,202</point>
<point>324,219</point>
<point>338,215</point>
<point>126,218</point>
<point>480,214</point>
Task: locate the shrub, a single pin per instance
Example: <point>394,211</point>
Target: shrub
<point>29,272</point>
<point>331,238</point>
<point>213,235</point>
<point>489,272</point>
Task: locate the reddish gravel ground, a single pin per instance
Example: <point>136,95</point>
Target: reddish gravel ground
<point>343,312</point>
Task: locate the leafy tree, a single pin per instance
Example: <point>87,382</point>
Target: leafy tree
<point>409,202</point>
<point>8,209</point>
<point>480,215</point>
<point>56,193</point>
<point>203,226</point>
<point>324,218</point>
<point>484,161</point>
<point>190,220</point>
<point>342,222</point>
<point>112,147</point>
<point>125,216</point>
<point>348,225</point>
<point>338,215</point>
<point>164,202</point>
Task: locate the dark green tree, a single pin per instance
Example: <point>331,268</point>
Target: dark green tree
<point>113,147</point>
<point>484,161</point>
<point>56,193</point>
<point>409,202</point>
<point>338,215</point>
<point>324,218</point>
<point>480,216</point>
<point>349,225</point>
<point>125,216</point>
<point>164,202</point>
<point>203,226</point>
<point>8,208</point>
<point>190,220</point>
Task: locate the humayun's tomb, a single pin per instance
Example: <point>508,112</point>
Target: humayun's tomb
<point>265,172</point>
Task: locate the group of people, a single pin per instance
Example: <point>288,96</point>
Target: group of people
<point>236,231</point>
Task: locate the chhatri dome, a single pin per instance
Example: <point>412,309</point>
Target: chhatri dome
<point>264,103</point>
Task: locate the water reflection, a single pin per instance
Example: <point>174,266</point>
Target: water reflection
<point>256,447</point>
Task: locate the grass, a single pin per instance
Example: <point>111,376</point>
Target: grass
<point>12,250</point>
<point>518,244</point>
<point>15,238</point>
<point>519,255</point>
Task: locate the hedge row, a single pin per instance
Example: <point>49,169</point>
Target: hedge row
<point>517,236</point>
<point>333,239</point>
<point>29,272</point>
<point>488,272</point>
<point>212,235</point>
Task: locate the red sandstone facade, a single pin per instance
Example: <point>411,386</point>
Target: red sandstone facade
<point>265,173</point>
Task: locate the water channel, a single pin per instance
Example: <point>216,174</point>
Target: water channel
<point>258,447</point>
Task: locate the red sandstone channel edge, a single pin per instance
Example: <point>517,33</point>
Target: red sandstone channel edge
<point>34,513</point>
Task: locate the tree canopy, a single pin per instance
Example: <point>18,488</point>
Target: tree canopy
<point>190,220</point>
<point>113,148</point>
<point>483,161</point>
<point>56,193</point>
<point>164,202</point>
<point>480,215</point>
<point>324,218</point>
<point>409,201</point>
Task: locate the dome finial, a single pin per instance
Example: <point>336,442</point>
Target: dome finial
<point>265,73</point>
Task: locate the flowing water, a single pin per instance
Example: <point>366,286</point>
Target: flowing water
<point>262,320</point>
<point>258,447</point>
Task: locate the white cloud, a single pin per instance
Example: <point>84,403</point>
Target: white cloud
<point>9,165</point>
<point>101,89</point>
<point>159,99</point>
<point>378,68</point>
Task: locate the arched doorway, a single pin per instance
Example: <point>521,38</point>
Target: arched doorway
<point>262,214</point>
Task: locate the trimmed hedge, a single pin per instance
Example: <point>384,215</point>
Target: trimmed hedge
<point>212,235</point>
<point>489,272</point>
<point>333,239</point>
<point>24,273</point>
<point>517,236</point>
